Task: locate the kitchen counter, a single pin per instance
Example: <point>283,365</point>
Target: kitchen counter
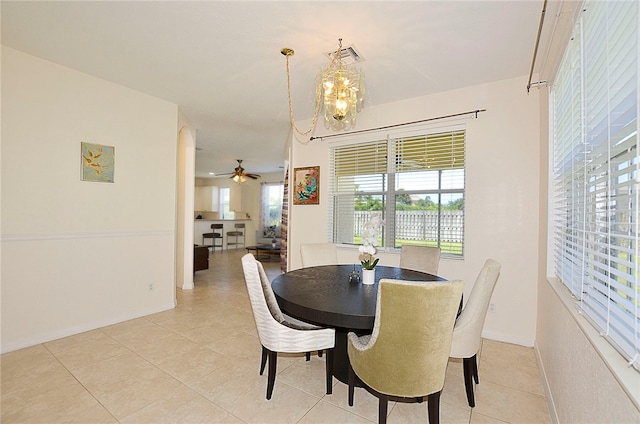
<point>221,220</point>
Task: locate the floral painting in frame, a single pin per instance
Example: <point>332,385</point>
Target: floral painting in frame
<point>306,185</point>
<point>97,162</point>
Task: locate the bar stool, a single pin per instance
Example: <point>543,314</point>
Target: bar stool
<point>213,235</point>
<point>239,232</point>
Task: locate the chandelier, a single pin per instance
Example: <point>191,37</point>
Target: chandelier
<point>339,88</point>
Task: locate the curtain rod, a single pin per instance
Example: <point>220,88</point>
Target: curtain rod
<point>400,125</point>
<point>535,49</point>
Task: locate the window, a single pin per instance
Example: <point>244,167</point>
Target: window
<point>225,195</point>
<point>420,193</point>
<point>272,204</point>
<point>595,171</point>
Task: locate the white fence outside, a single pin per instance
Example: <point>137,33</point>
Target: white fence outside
<point>421,225</point>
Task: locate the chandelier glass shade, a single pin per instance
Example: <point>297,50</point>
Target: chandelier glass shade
<point>339,88</point>
<point>343,93</point>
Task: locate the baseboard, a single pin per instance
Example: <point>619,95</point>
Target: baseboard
<point>507,338</point>
<point>553,413</point>
<point>55,335</point>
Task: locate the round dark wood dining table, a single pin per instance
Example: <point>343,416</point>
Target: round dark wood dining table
<point>323,295</point>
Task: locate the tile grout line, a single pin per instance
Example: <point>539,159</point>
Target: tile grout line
<point>79,382</point>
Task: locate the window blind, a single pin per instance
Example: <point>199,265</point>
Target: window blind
<point>596,164</point>
<point>359,175</point>
<point>430,152</point>
<point>360,159</point>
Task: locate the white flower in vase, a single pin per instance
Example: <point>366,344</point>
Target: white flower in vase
<point>370,235</point>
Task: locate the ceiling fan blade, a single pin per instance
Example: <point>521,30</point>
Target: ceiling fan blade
<point>240,172</point>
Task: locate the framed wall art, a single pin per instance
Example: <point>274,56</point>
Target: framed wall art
<point>306,186</point>
<point>97,162</point>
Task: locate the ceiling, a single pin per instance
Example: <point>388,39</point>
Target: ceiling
<point>220,61</point>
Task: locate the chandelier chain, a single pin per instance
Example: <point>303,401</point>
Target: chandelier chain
<point>318,92</point>
<point>315,113</point>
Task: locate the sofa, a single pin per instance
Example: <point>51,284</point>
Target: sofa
<point>268,234</point>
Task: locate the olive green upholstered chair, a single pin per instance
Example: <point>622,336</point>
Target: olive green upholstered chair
<point>420,258</point>
<point>316,254</point>
<point>278,332</point>
<point>467,333</point>
<point>407,353</point>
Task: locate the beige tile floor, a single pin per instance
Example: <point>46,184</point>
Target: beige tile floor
<point>199,363</point>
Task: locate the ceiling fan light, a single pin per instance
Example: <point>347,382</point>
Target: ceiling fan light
<point>240,176</point>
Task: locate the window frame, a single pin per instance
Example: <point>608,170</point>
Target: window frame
<point>389,190</point>
<point>265,207</point>
<point>225,203</point>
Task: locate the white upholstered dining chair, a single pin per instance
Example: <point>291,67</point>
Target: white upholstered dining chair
<point>420,258</point>
<point>467,333</point>
<point>279,333</point>
<point>316,254</point>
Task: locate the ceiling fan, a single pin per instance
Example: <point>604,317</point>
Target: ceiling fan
<point>239,175</point>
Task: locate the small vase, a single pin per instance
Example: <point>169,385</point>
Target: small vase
<point>368,276</point>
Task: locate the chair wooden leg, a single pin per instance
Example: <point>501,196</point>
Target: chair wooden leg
<point>433,407</point>
<point>271,379</point>
<point>352,384</point>
<point>308,355</point>
<point>329,371</point>
<point>263,360</point>
<point>383,401</point>
<point>467,366</point>
<point>319,354</point>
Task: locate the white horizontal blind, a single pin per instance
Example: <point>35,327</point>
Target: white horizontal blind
<point>569,172</point>
<point>359,174</point>
<point>430,152</point>
<point>359,160</point>
<point>596,164</point>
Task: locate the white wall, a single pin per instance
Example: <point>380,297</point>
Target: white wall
<point>580,387</point>
<point>501,196</point>
<point>78,255</point>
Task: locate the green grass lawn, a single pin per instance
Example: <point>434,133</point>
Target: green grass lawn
<point>451,248</point>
